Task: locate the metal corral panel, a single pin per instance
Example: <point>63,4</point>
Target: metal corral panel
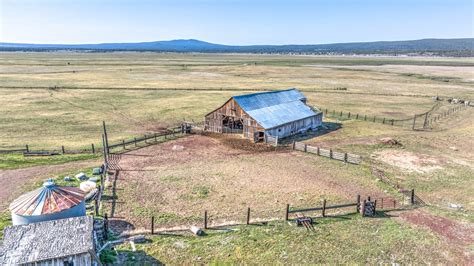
<point>280,114</point>
<point>249,102</point>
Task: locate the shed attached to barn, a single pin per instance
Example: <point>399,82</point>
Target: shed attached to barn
<point>58,242</point>
<point>264,116</point>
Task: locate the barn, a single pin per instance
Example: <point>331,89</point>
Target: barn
<point>264,116</point>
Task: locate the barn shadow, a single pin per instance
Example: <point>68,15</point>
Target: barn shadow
<point>325,128</point>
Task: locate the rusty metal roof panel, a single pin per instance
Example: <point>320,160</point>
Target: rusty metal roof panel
<point>47,200</point>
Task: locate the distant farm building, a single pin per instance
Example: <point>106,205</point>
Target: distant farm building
<point>264,116</point>
<point>50,202</point>
<point>58,242</point>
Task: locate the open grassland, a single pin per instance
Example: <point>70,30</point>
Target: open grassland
<point>53,99</point>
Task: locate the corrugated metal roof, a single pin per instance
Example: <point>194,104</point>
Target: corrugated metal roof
<point>275,115</point>
<point>48,199</point>
<point>253,101</point>
<point>271,109</point>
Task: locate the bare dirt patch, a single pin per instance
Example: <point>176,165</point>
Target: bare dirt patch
<point>13,182</point>
<point>176,186</point>
<point>458,235</point>
<point>409,161</point>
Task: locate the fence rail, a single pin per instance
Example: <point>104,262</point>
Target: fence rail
<point>329,153</point>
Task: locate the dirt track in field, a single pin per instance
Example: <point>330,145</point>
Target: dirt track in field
<point>177,180</point>
<point>13,182</point>
<point>457,235</point>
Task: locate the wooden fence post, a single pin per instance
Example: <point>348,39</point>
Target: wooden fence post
<point>152,225</point>
<point>106,226</point>
<point>357,116</point>
<point>294,144</point>
<point>374,118</point>
<point>96,206</point>
<point>412,197</point>
<point>349,115</point>
<point>375,207</point>
<point>324,208</point>
<point>93,148</point>
<point>155,137</point>
<point>340,114</point>
<point>123,144</point>
<point>392,122</point>
<point>62,149</point>
<point>144,137</point>
<point>287,212</point>
<point>205,219</point>
<point>383,122</point>
<point>305,147</point>
<point>345,157</point>
<point>326,111</point>
<point>135,141</point>
<point>414,121</point>
<point>365,117</point>
<point>330,153</point>
<point>381,202</point>
<point>363,208</point>
<point>358,203</point>
<point>318,152</point>
<point>248,215</point>
<point>394,204</point>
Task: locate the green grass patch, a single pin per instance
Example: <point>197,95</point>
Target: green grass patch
<point>335,240</point>
<point>15,161</point>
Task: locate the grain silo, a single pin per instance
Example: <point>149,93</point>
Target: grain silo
<point>50,202</point>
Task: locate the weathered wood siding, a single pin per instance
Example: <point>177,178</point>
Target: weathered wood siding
<point>84,259</point>
<point>214,120</point>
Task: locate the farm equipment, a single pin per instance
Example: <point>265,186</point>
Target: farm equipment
<point>307,222</point>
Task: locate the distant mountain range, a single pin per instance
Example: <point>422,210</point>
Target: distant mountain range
<point>449,47</point>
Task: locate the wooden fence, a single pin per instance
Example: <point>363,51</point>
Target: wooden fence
<point>329,153</point>
<point>29,150</point>
<point>418,121</point>
<point>248,218</point>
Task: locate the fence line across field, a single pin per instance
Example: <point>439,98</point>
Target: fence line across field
<point>329,153</point>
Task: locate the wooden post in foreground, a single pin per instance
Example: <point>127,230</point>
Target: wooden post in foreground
<point>414,121</point>
<point>324,208</point>
<point>205,219</point>
<point>287,212</point>
<point>248,215</point>
<point>152,225</point>
<point>358,203</point>
<point>412,197</point>
<point>62,149</point>
<point>27,148</point>
<point>93,148</point>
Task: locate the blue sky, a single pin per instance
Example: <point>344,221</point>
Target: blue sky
<point>233,21</point>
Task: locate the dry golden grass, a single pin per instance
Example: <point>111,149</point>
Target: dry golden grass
<point>124,89</point>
